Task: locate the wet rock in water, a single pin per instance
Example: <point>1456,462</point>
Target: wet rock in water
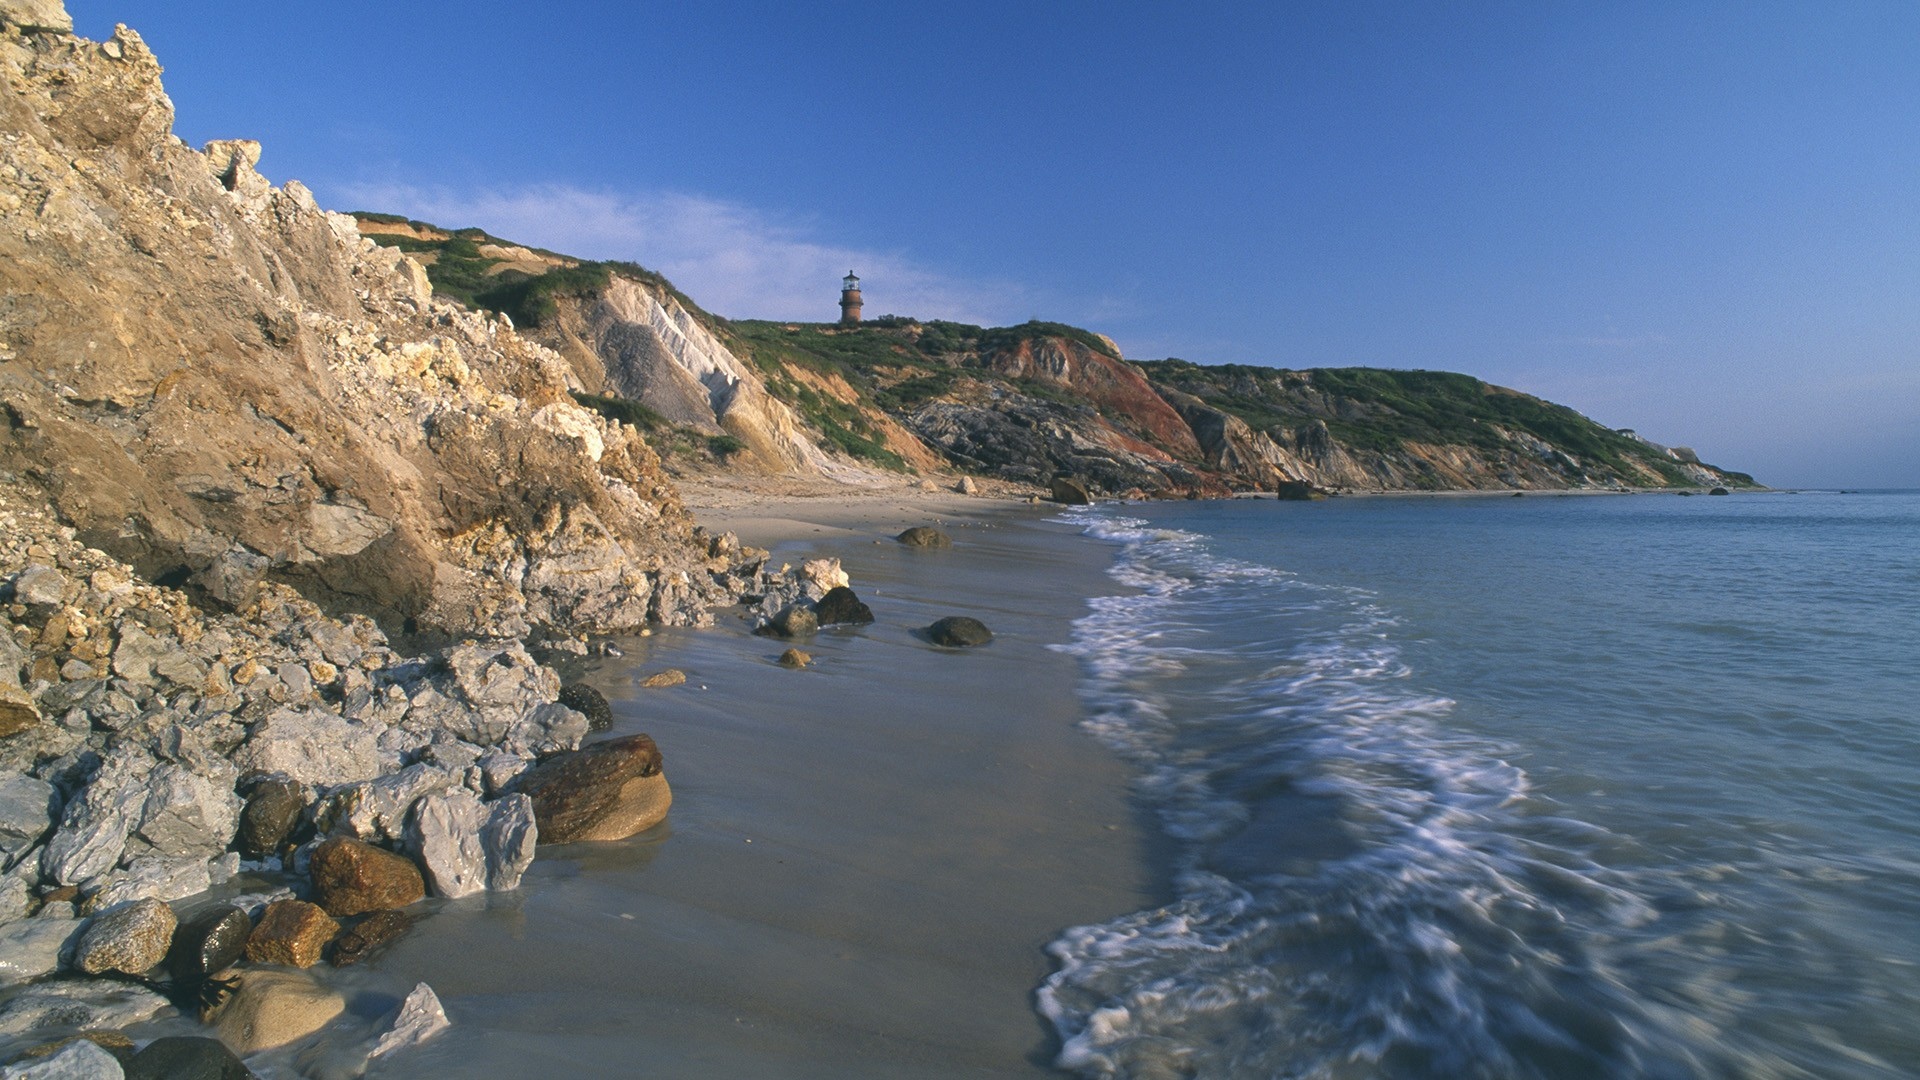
<point>351,878</point>
<point>792,622</point>
<point>466,846</point>
<point>291,932</point>
<point>271,812</point>
<point>209,943</point>
<point>589,703</point>
<point>840,607</point>
<point>81,1059</point>
<point>27,808</point>
<point>132,939</point>
<point>794,658</point>
<point>79,1003</point>
<point>959,631</point>
<point>371,933</point>
<point>186,1057</point>
<point>925,536</point>
<point>1070,491</point>
<point>31,948</point>
<point>273,1008</point>
<point>1719,491</point>
<point>662,679</point>
<point>420,1018</point>
<point>607,791</point>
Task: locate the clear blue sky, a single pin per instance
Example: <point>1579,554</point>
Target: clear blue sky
<point>1696,220</point>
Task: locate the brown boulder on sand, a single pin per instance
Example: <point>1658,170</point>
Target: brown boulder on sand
<point>607,791</point>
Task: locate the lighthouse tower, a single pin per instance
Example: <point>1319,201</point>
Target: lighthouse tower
<point>850,300</point>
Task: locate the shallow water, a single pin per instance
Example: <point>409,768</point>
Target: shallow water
<point>1553,786</point>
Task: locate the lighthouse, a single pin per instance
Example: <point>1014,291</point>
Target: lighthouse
<point>850,300</point>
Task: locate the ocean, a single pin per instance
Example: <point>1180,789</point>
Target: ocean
<point>1553,786</point>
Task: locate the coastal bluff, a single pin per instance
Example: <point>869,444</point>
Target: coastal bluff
<point>219,382</point>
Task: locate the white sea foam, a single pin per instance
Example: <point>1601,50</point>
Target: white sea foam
<point>1361,891</point>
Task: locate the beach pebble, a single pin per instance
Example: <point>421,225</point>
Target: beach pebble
<point>661,679</point>
<point>351,877</point>
<point>840,607</point>
<point>132,939</point>
<point>794,658</point>
<point>959,631</point>
<point>607,791</point>
<point>925,536</point>
<point>291,932</point>
<point>273,1008</point>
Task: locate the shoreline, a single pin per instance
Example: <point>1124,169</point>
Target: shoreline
<point>865,859</point>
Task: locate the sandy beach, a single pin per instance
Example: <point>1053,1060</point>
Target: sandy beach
<point>865,858</point>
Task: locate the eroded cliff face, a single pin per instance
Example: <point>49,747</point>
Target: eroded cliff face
<point>645,346</point>
<point>219,382</point>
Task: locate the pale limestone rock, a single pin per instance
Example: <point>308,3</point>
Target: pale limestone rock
<point>156,877</point>
<point>187,812</point>
<point>312,746</point>
<point>376,810</point>
<point>81,1059</point>
<point>465,846</point>
<point>40,587</point>
<point>32,947</point>
<point>94,827</point>
<point>420,1018</point>
<point>27,809</point>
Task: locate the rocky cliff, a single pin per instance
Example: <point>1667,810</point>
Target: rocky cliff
<point>221,383</point>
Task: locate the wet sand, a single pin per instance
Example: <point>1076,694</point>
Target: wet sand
<point>865,859</point>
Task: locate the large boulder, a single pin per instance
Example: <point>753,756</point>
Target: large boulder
<point>1066,489</point>
<point>31,948</point>
<point>81,1059</point>
<point>351,878</point>
<point>606,791</point>
<point>270,814</point>
<point>28,806</point>
<point>273,1008</point>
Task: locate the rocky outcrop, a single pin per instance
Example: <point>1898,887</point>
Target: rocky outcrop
<point>1112,386</point>
<point>220,383</point>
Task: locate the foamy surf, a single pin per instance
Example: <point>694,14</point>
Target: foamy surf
<point>1361,891</point>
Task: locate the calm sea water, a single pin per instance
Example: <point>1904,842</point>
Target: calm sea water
<point>1497,787</point>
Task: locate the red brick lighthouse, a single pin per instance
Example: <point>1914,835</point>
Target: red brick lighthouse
<point>850,300</point>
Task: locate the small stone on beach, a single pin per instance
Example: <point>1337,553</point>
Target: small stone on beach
<point>959,631</point>
<point>925,536</point>
<point>794,658</point>
<point>662,679</point>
